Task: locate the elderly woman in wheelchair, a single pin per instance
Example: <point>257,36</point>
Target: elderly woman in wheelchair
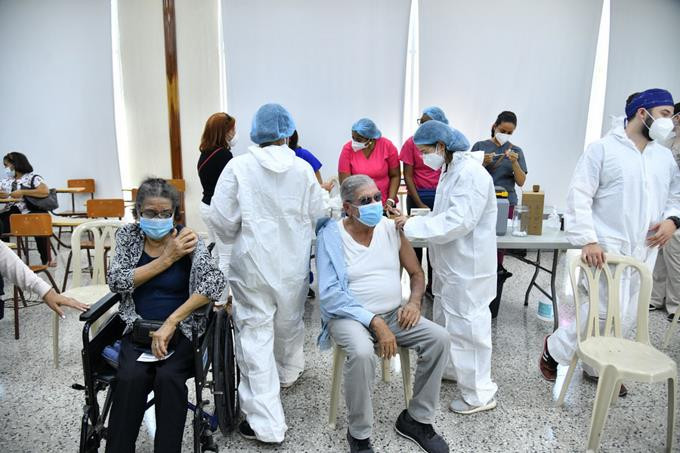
<point>163,274</point>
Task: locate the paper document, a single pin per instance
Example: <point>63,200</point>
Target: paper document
<point>146,357</point>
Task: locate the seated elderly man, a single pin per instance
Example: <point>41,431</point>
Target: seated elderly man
<point>358,261</point>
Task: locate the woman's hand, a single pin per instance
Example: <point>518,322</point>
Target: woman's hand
<point>179,245</point>
<point>408,315</point>
<point>488,158</point>
<point>55,300</point>
<point>513,156</point>
<point>4,194</point>
<point>328,185</point>
<point>17,194</point>
<point>400,221</point>
<point>161,338</point>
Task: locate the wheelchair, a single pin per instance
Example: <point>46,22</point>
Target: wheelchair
<point>213,355</point>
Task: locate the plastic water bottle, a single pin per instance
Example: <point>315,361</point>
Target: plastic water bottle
<point>545,310</point>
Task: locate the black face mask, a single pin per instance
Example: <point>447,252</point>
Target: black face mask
<point>645,129</point>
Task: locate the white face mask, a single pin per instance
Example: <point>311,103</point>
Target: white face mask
<point>661,128</point>
<point>433,160</point>
<point>10,172</point>
<point>670,140</point>
<point>502,138</point>
<point>356,146</point>
<point>234,140</point>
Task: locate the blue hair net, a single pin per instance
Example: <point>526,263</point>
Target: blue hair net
<point>367,128</point>
<point>435,131</point>
<point>436,114</point>
<point>271,123</point>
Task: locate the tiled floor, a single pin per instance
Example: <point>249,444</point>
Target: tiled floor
<point>39,412</point>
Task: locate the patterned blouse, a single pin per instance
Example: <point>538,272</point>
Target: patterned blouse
<point>27,181</point>
<point>205,277</point>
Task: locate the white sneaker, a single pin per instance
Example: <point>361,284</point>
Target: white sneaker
<point>461,407</point>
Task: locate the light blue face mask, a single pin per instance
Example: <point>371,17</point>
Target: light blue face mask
<point>10,172</point>
<point>156,228</point>
<point>370,214</point>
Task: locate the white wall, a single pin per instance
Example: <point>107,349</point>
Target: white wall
<point>56,96</point>
<point>329,63</point>
<point>643,51</point>
<point>534,57</point>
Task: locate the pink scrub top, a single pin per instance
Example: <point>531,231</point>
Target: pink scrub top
<point>377,165</point>
<point>423,176</point>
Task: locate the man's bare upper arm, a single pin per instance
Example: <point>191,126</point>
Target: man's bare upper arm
<point>407,256</point>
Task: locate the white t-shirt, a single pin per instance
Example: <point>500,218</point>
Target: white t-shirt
<point>373,271</point>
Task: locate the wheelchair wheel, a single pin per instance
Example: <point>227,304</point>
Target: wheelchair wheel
<point>225,374</point>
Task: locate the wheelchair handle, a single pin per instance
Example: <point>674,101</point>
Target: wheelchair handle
<point>100,307</point>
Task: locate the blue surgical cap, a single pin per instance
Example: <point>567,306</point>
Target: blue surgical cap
<point>436,114</point>
<point>271,123</point>
<point>435,131</point>
<point>367,128</point>
<point>648,99</point>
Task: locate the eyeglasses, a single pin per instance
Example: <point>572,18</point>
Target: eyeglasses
<point>151,214</point>
<point>368,200</point>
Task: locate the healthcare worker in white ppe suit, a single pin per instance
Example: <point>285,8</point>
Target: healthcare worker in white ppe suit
<point>266,204</point>
<point>461,236</point>
<point>624,199</point>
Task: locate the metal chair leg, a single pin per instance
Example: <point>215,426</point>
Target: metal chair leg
<point>67,270</point>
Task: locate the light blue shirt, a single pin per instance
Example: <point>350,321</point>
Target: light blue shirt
<point>336,300</point>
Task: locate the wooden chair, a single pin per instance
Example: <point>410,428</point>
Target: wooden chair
<point>113,208</point>
<point>101,235</point>
<point>89,186</point>
<point>105,208</point>
<point>181,186</point>
<point>23,226</point>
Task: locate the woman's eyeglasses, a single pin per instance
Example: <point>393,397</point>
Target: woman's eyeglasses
<point>368,200</point>
<point>151,214</point>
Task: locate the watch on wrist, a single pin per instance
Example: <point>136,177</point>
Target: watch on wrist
<point>675,220</point>
<point>391,201</point>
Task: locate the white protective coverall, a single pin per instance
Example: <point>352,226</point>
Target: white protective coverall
<point>266,204</point>
<point>616,194</point>
<point>461,235</point>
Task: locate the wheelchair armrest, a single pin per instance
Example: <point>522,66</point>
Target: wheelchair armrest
<point>100,307</point>
<point>208,308</point>
<point>207,312</point>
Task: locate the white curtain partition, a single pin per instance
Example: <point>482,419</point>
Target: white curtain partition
<point>329,63</point>
<point>143,107</point>
<point>643,51</point>
<point>533,57</point>
<point>56,95</point>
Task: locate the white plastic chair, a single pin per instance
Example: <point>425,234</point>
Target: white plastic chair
<point>615,358</point>
<point>103,234</point>
<point>339,356</point>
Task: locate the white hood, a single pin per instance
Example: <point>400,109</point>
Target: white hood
<point>475,155</point>
<point>276,158</point>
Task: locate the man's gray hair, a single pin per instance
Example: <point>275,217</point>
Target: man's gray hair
<point>351,185</point>
<point>156,188</point>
